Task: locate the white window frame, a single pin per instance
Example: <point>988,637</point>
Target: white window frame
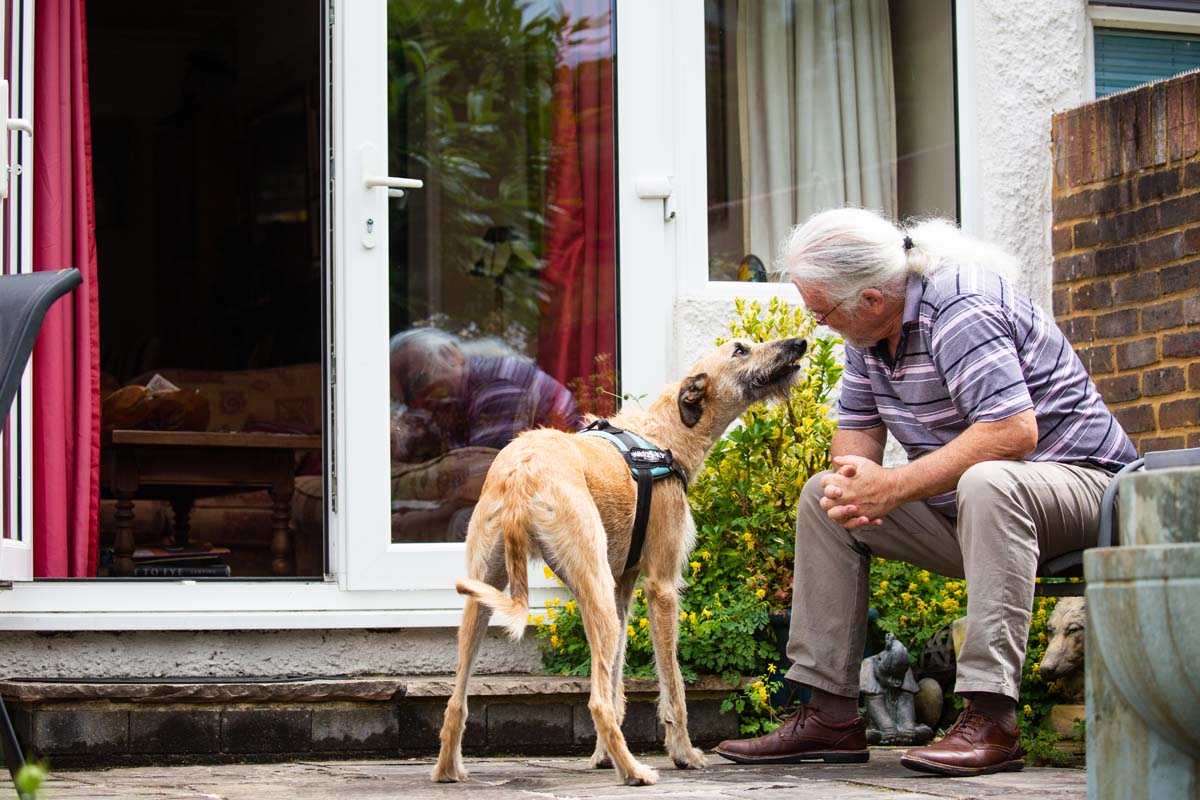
<point>1134,19</point>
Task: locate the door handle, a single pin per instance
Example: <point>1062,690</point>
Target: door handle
<point>657,187</point>
<point>22,125</point>
<point>395,186</point>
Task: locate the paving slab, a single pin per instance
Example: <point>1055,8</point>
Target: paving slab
<point>882,778</point>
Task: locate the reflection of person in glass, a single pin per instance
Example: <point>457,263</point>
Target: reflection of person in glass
<point>454,405</point>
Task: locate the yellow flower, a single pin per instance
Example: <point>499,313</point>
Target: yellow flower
<point>695,565</point>
<point>761,593</point>
<point>637,593</point>
<point>570,606</point>
<point>923,575</point>
<point>1027,711</point>
<point>555,641</point>
<point>883,584</point>
<point>906,597</point>
<point>683,616</point>
<point>706,614</point>
<point>750,547</point>
<point>553,628</point>
<point>912,587</point>
<point>549,573</point>
<point>766,487</point>
<point>704,555</point>
<point>771,669</point>
<point>643,623</point>
<point>539,620</point>
<point>692,617</point>
<point>629,630</point>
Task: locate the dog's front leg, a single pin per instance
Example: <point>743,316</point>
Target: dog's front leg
<point>623,597</point>
<point>663,602</point>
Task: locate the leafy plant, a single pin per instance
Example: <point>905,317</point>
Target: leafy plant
<point>29,779</point>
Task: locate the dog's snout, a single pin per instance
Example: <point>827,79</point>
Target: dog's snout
<point>797,346</point>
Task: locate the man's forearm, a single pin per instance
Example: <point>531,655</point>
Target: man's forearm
<point>1005,440</point>
<point>868,444</point>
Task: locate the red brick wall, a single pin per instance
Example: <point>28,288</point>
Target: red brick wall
<point>1126,239</point>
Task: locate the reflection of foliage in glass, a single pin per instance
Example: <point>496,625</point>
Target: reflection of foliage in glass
<point>470,89</point>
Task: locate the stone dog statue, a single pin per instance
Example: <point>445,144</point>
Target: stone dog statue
<point>888,687</point>
<point>1063,661</point>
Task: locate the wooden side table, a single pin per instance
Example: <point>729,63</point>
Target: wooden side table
<point>180,466</point>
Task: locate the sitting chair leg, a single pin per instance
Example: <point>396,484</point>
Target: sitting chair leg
<point>13,756</point>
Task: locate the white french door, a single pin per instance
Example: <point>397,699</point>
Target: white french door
<point>16,224</point>
<point>484,154</point>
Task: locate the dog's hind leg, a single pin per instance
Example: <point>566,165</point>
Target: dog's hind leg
<point>663,609</point>
<point>449,767</point>
<point>623,598</point>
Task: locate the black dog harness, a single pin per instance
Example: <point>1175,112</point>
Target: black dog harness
<point>648,464</point>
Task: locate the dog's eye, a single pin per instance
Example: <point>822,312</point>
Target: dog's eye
<point>740,350</point>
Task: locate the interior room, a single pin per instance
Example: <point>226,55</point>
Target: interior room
<point>209,200</point>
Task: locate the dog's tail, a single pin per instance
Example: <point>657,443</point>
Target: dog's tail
<point>512,609</point>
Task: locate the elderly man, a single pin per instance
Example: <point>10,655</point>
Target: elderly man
<point>1010,449</point>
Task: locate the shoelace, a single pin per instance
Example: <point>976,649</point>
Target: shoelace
<point>803,712</point>
<point>968,722</point>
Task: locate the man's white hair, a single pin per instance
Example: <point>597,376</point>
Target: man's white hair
<point>844,251</point>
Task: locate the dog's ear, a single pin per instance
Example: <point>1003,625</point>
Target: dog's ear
<point>692,392</point>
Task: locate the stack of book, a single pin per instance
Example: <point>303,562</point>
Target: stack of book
<point>187,561</point>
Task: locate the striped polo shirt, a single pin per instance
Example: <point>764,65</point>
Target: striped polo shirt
<point>973,349</point>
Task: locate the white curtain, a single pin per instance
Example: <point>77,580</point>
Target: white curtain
<point>816,112</point>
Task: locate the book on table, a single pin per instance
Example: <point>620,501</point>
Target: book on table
<point>160,570</point>
<point>175,554</point>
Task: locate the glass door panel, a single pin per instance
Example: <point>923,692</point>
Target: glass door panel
<point>502,267</point>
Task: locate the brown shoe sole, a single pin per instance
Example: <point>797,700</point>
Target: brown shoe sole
<point>934,768</point>
<point>828,756</point>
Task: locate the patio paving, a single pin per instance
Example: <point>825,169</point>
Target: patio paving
<point>882,777</point>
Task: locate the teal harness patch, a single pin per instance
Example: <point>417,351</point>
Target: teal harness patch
<point>648,464</point>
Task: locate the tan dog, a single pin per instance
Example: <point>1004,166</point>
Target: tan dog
<point>570,500</point>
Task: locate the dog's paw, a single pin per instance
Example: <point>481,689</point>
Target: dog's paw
<point>448,774</point>
<point>641,776</point>
<point>600,760</point>
<point>692,758</point>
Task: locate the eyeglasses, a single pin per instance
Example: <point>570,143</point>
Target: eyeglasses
<point>821,319</point>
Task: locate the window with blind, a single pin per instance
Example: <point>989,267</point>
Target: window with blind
<point>1125,59</point>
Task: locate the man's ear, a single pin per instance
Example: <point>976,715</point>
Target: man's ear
<point>692,392</point>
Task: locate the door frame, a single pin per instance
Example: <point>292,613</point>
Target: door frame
<point>16,553</point>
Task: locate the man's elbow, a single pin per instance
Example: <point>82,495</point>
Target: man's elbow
<point>1021,435</point>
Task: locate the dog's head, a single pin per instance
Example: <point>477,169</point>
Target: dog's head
<point>736,375</point>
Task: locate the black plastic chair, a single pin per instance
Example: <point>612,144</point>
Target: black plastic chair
<point>1070,565</point>
<point>24,301</point>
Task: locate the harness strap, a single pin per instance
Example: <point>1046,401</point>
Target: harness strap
<point>648,464</point>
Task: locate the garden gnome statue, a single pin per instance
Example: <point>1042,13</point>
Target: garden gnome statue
<point>888,687</point>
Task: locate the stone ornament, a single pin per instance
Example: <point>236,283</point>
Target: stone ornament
<point>1063,661</point>
<point>888,689</point>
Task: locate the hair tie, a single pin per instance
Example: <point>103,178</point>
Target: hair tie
<point>908,243</point>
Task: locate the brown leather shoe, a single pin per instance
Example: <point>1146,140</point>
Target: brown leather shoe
<point>804,736</point>
<point>975,745</point>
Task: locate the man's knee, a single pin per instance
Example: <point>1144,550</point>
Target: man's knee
<point>986,479</point>
<point>813,491</point>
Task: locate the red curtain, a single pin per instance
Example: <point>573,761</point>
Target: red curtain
<point>67,357</point>
<point>579,319</point>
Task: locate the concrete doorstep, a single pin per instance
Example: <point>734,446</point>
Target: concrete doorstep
<point>80,724</point>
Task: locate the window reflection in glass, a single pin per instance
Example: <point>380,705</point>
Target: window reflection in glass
<point>503,267</point>
<point>813,105</point>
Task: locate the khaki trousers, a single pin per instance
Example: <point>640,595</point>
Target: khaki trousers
<point>1011,516</point>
